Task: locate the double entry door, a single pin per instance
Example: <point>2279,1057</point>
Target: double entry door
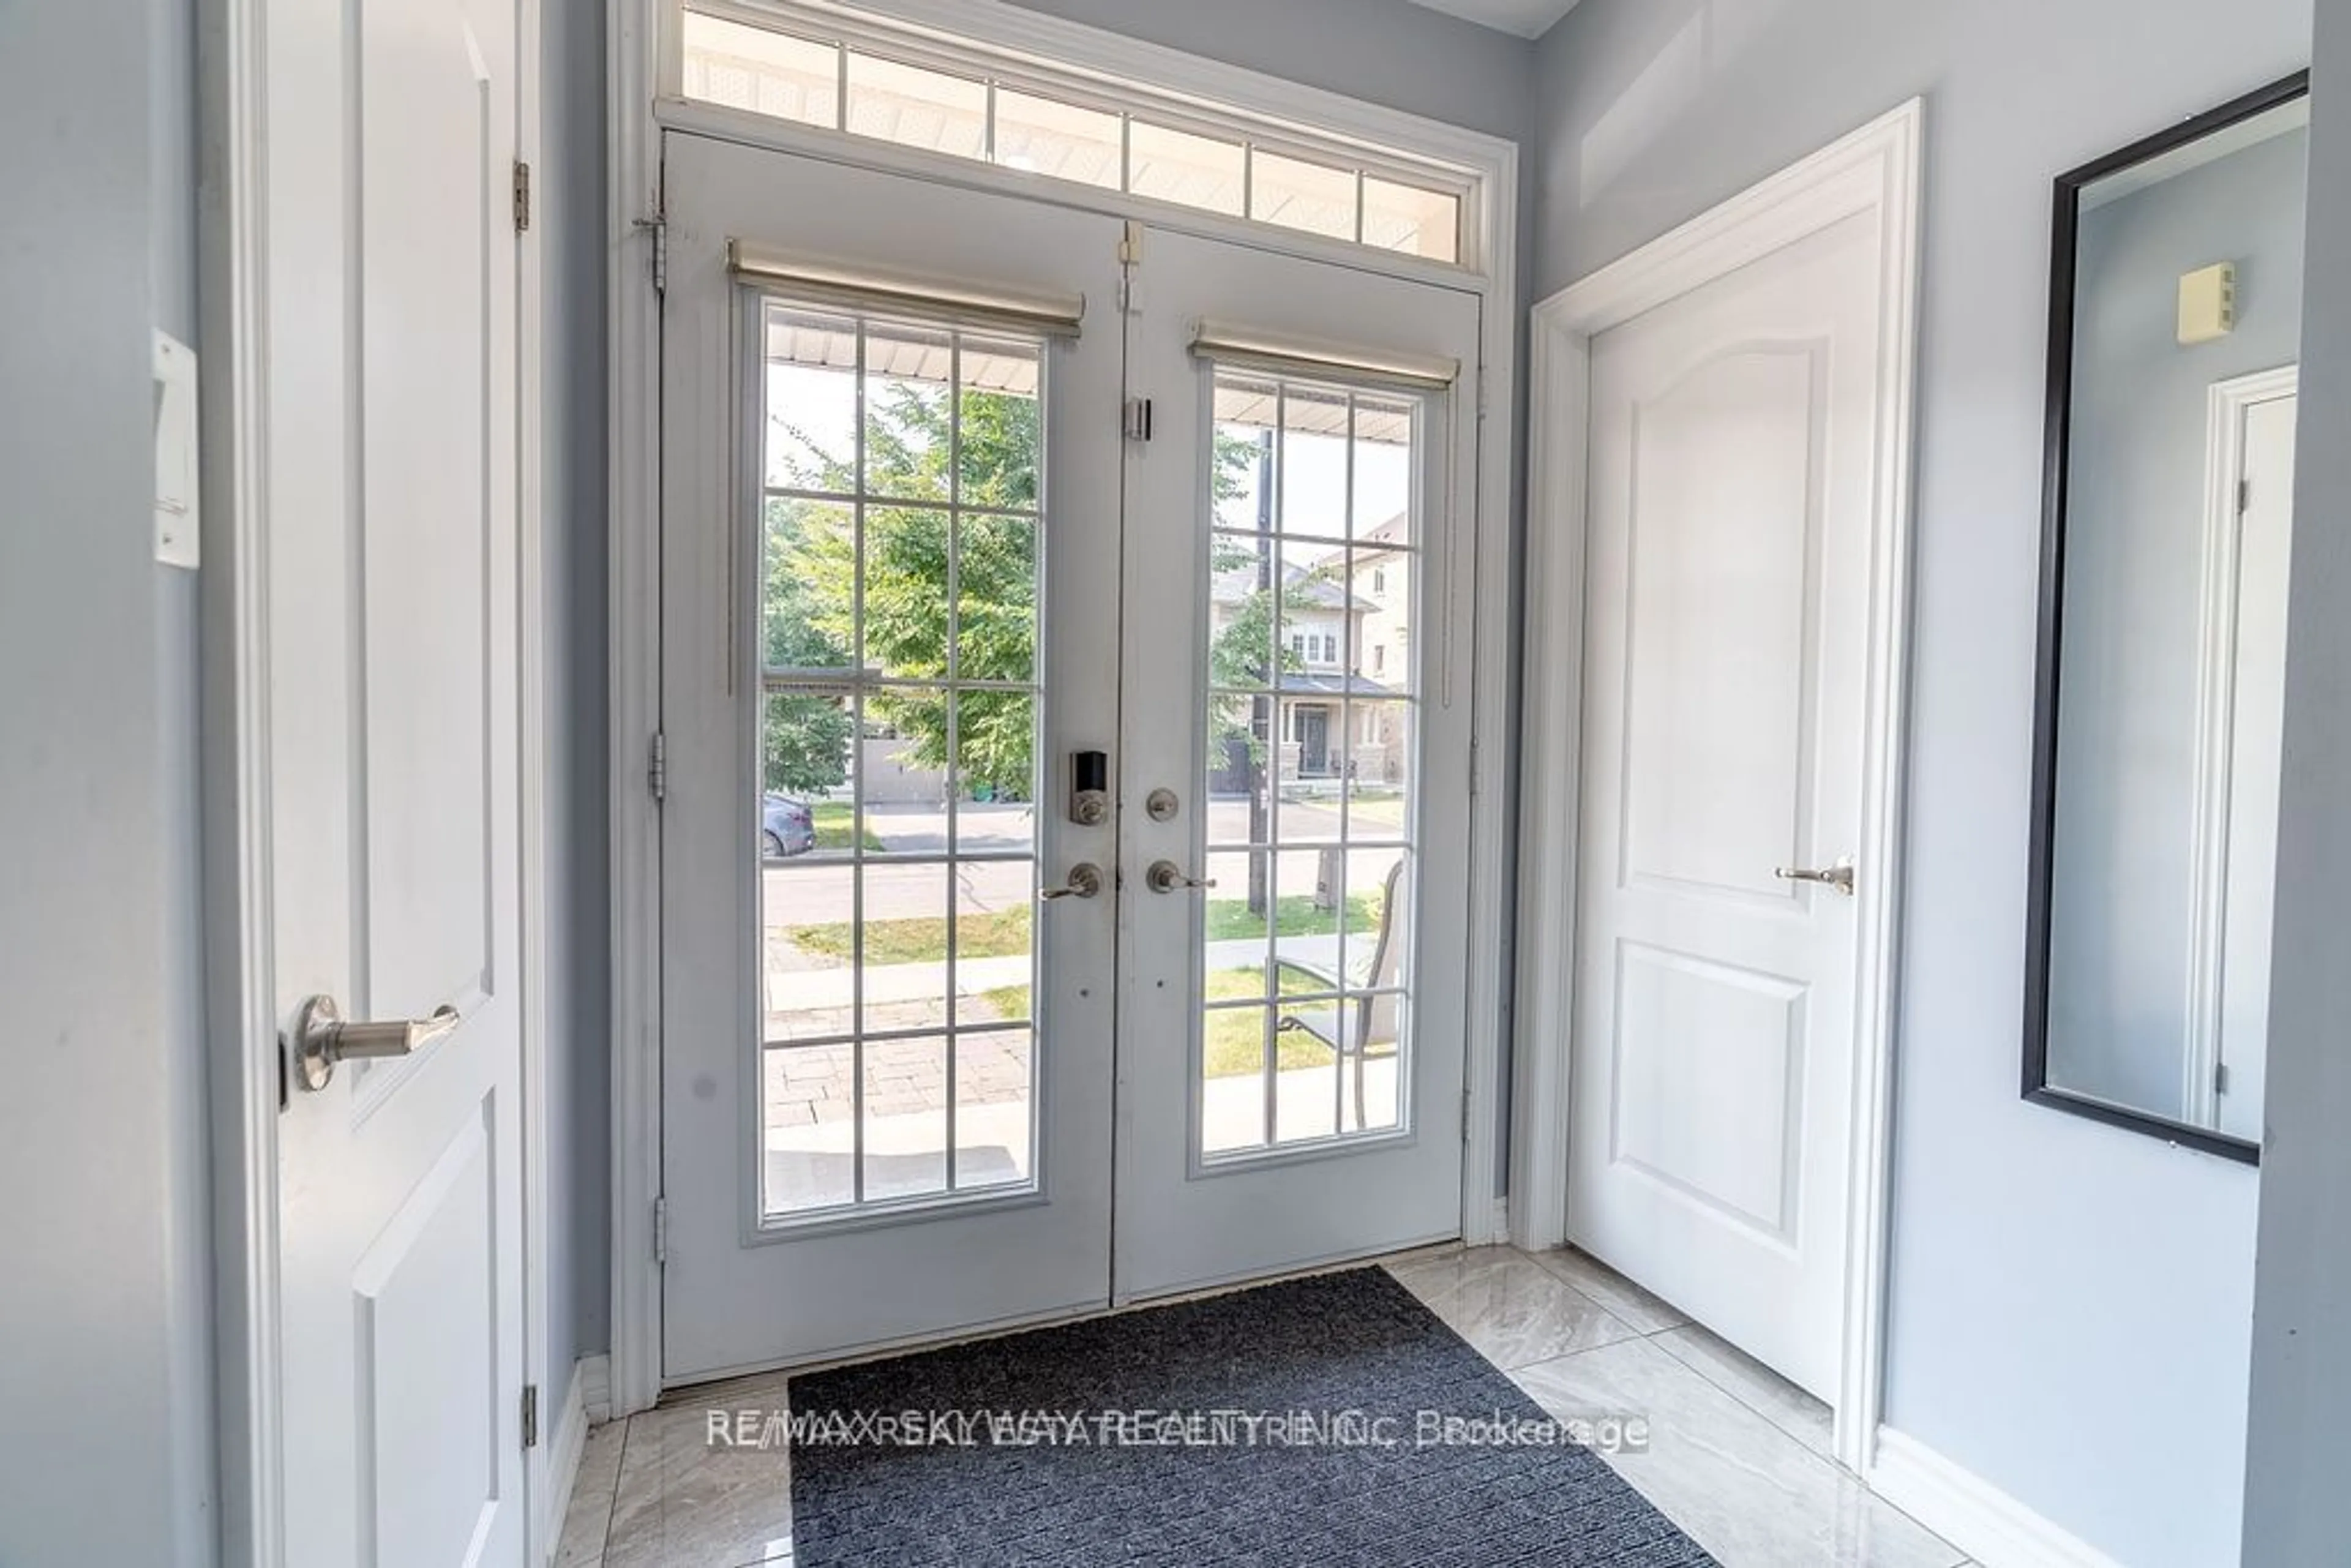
<point>1065,731</point>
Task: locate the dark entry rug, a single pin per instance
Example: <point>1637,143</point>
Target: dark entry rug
<point>1330,1420</point>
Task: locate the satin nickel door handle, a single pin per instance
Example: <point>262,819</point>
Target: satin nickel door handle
<point>1838,877</point>
<point>1167,876</point>
<point>322,1038</point>
<point>1085,881</point>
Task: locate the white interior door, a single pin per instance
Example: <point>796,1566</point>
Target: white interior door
<point>1298,657</point>
<point>890,600</point>
<point>1730,446</point>
<point>389,497</point>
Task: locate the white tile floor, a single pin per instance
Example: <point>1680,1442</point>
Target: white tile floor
<point>1736,1456</point>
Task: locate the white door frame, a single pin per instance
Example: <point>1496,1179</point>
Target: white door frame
<point>2226,403</point>
<point>1876,169</point>
<point>241,1023</point>
<point>642,37</point>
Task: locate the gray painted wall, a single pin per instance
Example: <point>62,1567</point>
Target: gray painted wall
<point>2127,740</point>
<point>570,190</point>
<point>105,1419</point>
<point>1382,51</point>
<point>2070,1303</point>
<point>2297,1508</point>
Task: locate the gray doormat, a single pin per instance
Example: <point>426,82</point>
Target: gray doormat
<point>1299,1422</point>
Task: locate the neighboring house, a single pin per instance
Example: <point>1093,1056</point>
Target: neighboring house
<point>1322,621</point>
<point>1382,571</point>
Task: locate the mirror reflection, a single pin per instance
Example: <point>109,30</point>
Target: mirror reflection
<point>2176,323</point>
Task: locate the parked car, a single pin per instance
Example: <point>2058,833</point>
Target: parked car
<point>786,826</point>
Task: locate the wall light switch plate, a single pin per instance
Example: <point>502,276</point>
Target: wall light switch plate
<point>2208,303</point>
<point>175,452</point>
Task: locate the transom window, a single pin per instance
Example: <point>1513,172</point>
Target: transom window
<point>791,66</point>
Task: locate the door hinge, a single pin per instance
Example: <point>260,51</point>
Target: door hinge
<point>2244,494</point>
<point>521,195</point>
<point>1137,422</point>
<point>1130,257</point>
<point>1481,391</point>
<point>657,767</point>
<point>1473,768</point>
<point>2220,1078</point>
<point>530,1415</point>
<point>658,229</point>
<point>1465,1114</point>
<point>661,1230</point>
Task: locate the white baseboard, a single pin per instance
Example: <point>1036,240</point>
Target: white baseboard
<point>567,1441</point>
<point>593,1378</point>
<point>1496,1221</point>
<point>1972,1514</point>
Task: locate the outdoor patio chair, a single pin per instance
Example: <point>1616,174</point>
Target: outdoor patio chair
<point>1352,1028</point>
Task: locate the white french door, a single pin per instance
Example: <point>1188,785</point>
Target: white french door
<point>890,576</point>
<point>1298,664</point>
<point>963,684</point>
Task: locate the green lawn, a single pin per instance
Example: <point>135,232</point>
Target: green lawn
<point>1294,915</point>
<point>924,940</point>
<point>835,822</point>
<point>1234,1040</point>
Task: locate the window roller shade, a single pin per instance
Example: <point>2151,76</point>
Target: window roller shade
<point>957,301</point>
<point>1252,348</point>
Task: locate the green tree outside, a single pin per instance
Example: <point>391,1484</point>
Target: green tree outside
<point>912,432</point>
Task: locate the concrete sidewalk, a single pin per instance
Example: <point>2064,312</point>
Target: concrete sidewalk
<point>798,990</point>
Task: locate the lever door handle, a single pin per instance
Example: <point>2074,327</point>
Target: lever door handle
<point>322,1038</point>
<point>1167,876</point>
<point>1085,881</point>
<point>1838,877</point>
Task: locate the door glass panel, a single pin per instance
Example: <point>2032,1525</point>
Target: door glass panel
<point>1309,760</point>
<point>1236,1041</point>
<point>994,966</point>
<point>902,468</point>
<point>1313,463</point>
<point>905,1118</point>
<point>993,1070</point>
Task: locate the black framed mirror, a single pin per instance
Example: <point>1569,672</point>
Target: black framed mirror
<point>2174,336</point>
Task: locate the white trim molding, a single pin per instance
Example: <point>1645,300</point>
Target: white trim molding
<point>644,74</point>
<point>633,671</point>
<point>542,1476</point>
<point>1970,1512</point>
<point>568,1441</point>
<point>1875,169</point>
<point>239,947</point>
<point>2226,405</point>
<point>595,1379</point>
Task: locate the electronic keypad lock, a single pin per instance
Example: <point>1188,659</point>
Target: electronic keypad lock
<point>1090,788</point>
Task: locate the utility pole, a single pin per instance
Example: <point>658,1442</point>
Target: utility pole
<point>1268,709</point>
